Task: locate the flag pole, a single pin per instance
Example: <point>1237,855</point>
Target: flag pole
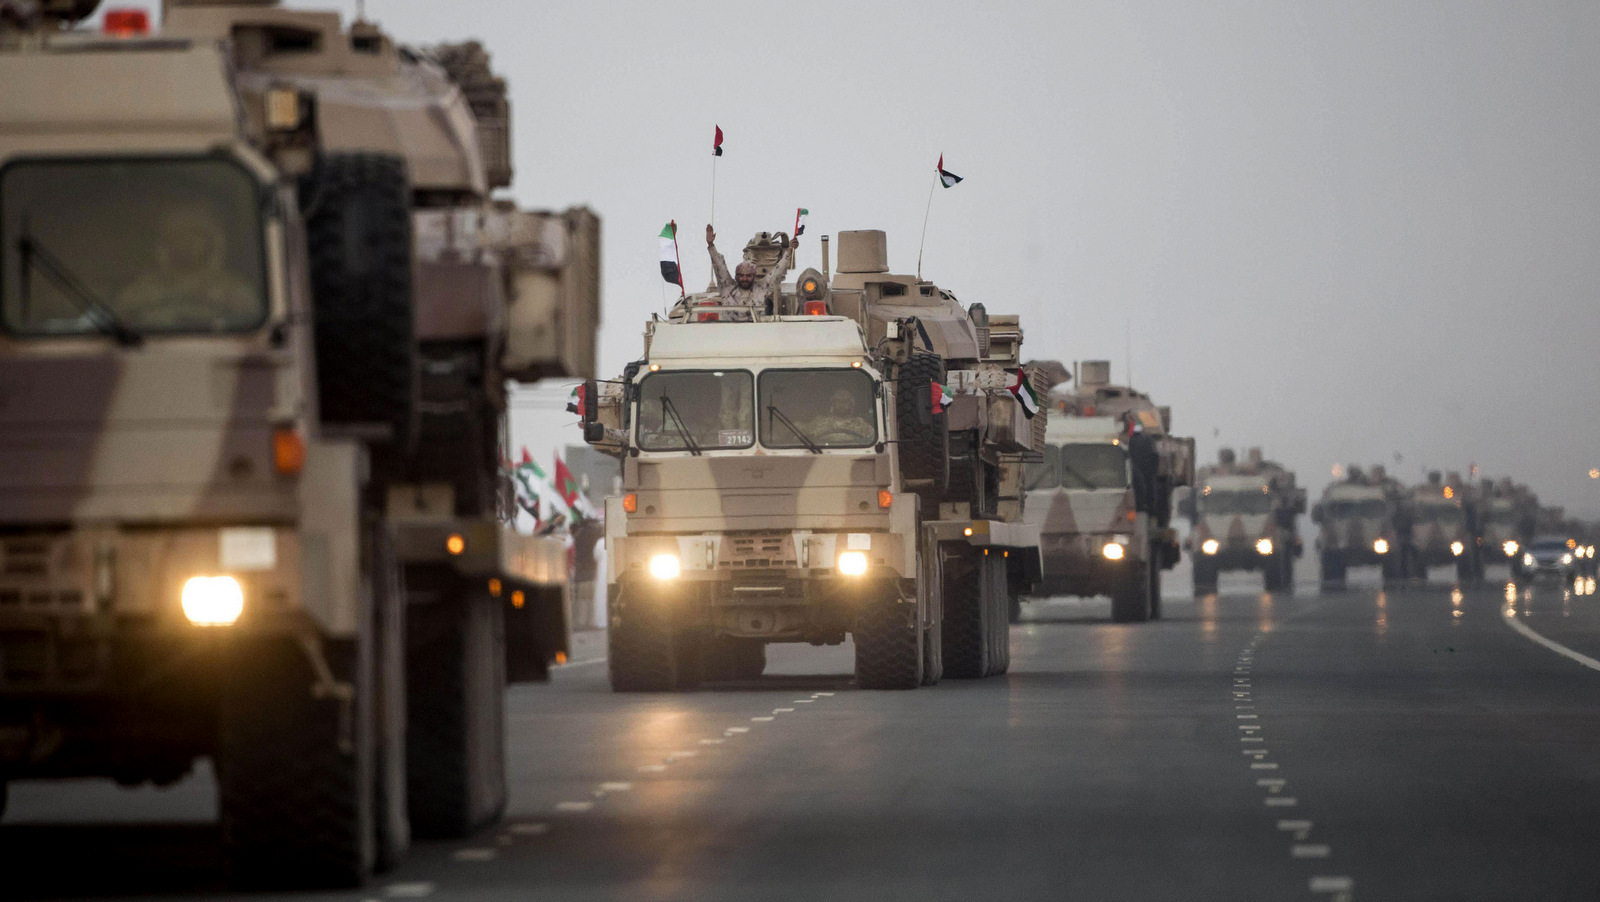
<point>675,253</point>
<point>923,243</point>
<point>713,193</point>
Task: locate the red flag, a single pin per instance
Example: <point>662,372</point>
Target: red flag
<point>526,457</point>
<point>565,483</point>
<point>716,146</point>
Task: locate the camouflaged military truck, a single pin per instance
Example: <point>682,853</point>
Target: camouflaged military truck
<point>1510,520</point>
<point>1104,511</point>
<point>1364,522</point>
<point>1445,528</point>
<point>1246,517</point>
<point>789,477</point>
<point>256,316</point>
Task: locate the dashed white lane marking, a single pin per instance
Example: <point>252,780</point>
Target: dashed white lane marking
<point>408,890</point>
<point>1281,801</point>
<point>802,701</point>
<point>1309,850</point>
<point>476,854</point>
<point>1249,727</point>
<point>530,829</point>
<point>681,753</point>
<point>1273,784</point>
<point>652,768</point>
<point>763,719</point>
<point>1263,765</point>
<point>1247,716</point>
<point>1510,617</point>
<point>712,741</point>
<point>1300,829</point>
<point>737,730</point>
<point>1251,739</point>
<point>822,695</point>
<point>618,786</point>
<point>574,806</point>
<point>1259,753</point>
<point>782,710</point>
<point>1332,884</point>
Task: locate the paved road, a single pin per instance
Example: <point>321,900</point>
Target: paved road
<point>1400,745</point>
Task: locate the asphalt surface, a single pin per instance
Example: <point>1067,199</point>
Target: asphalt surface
<point>1362,744</point>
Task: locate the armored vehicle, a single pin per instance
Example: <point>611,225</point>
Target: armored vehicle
<point>256,315</point>
<point>796,477</point>
<point>1364,522</point>
<point>1246,517</point>
<point>1510,514</point>
<point>1445,528</point>
<point>1102,494</point>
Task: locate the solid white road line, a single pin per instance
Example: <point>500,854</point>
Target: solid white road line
<point>1510,617</point>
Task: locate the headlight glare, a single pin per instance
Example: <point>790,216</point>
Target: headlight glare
<point>1566,559</point>
<point>1381,546</point>
<point>1528,561</point>
<point>212,600</point>
<point>1263,546</point>
<point>852,563</point>
<point>1113,551</point>
<point>1510,548</point>
<point>1456,548</point>
<point>665,566</point>
<point>1210,546</point>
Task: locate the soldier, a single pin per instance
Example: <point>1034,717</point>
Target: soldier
<point>1146,461</point>
<point>841,425</point>
<point>742,289</point>
<point>189,281</point>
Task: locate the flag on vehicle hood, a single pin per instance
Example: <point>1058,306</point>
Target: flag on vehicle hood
<point>669,255</point>
<point>946,177</point>
<point>800,221</point>
<point>1023,389</point>
<point>716,144</point>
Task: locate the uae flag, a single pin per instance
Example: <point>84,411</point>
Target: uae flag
<point>716,143</point>
<point>800,216</point>
<point>941,397</point>
<point>1023,389</point>
<point>669,255</point>
<point>946,177</point>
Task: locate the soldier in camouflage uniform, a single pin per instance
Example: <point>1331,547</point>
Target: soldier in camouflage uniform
<point>743,289</point>
<point>841,423</point>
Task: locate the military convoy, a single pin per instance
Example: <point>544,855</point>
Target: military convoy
<point>799,475</point>
<point>257,310</point>
<point>1101,496</point>
<point>1363,522</point>
<point>1446,528</point>
<point>1245,516</point>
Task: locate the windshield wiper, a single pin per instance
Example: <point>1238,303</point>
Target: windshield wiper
<point>99,312</point>
<point>1087,482</point>
<point>773,411</point>
<point>669,409</point>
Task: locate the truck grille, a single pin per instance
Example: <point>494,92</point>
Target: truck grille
<point>42,574</point>
<point>755,550</point>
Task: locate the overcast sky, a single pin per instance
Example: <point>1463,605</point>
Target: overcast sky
<point>1338,230</point>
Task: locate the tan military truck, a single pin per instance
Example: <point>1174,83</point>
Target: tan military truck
<point>1246,517</point>
<point>1363,521</point>
<point>1445,528</point>
<point>789,477</point>
<point>1102,495</point>
<point>1510,521</point>
<point>256,315</point>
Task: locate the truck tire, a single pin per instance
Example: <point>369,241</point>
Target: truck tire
<point>1466,574</point>
<point>358,238</point>
<point>455,724</point>
<point>1014,609</point>
<point>965,631</point>
<point>998,600</point>
<point>1333,570</point>
<point>924,448</point>
<point>1131,602</point>
<point>733,658</point>
<point>1205,575</point>
<point>641,647</point>
<point>390,817</point>
<point>295,766</point>
<point>889,644</point>
<point>930,586</point>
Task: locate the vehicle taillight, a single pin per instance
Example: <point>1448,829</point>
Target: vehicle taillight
<point>126,23</point>
<point>630,503</point>
<point>288,451</point>
<point>885,499</point>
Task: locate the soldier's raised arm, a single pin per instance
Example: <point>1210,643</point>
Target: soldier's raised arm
<point>782,267</point>
<point>719,266</point>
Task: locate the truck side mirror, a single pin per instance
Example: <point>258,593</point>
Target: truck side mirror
<point>594,433</point>
<point>591,403</point>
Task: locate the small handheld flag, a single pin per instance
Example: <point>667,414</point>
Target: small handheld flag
<point>800,221</point>
<point>669,256</point>
<point>716,144</point>
<point>1023,389</point>
<point>946,178</point>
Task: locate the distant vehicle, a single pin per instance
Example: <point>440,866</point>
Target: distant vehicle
<point>1446,528</point>
<point>1245,517</point>
<point>1364,522</point>
<point>1550,556</point>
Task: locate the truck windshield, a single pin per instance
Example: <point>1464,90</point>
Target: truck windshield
<point>1043,475</point>
<point>1236,501</point>
<point>1445,515</point>
<point>1348,508</point>
<point>144,246</point>
<point>699,410</point>
<point>833,408</point>
<point>1503,515</point>
<point>1097,466</point>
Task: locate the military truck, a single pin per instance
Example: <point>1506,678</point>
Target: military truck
<point>1510,514</point>
<point>1245,516</point>
<point>797,477</point>
<point>1364,521</point>
<point>1446,528</point>
<point>1104,511</point>
<point>257,311</point>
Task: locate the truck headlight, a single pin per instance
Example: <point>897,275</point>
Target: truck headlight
<point>1528,561</point>
<point>1113,551</point>
<point>1381,546</point>
<point>212,600</point>
<point>1510,548</point>
<point>1263,546</point>
<point>665,566</point>
<point>1566,558</point>
<point>1456,548</point>
<point>1210,546</point>
<point>852,563</point>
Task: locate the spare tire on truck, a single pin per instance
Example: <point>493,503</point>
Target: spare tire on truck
<point>924,446</point>
<point>358,235</point>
